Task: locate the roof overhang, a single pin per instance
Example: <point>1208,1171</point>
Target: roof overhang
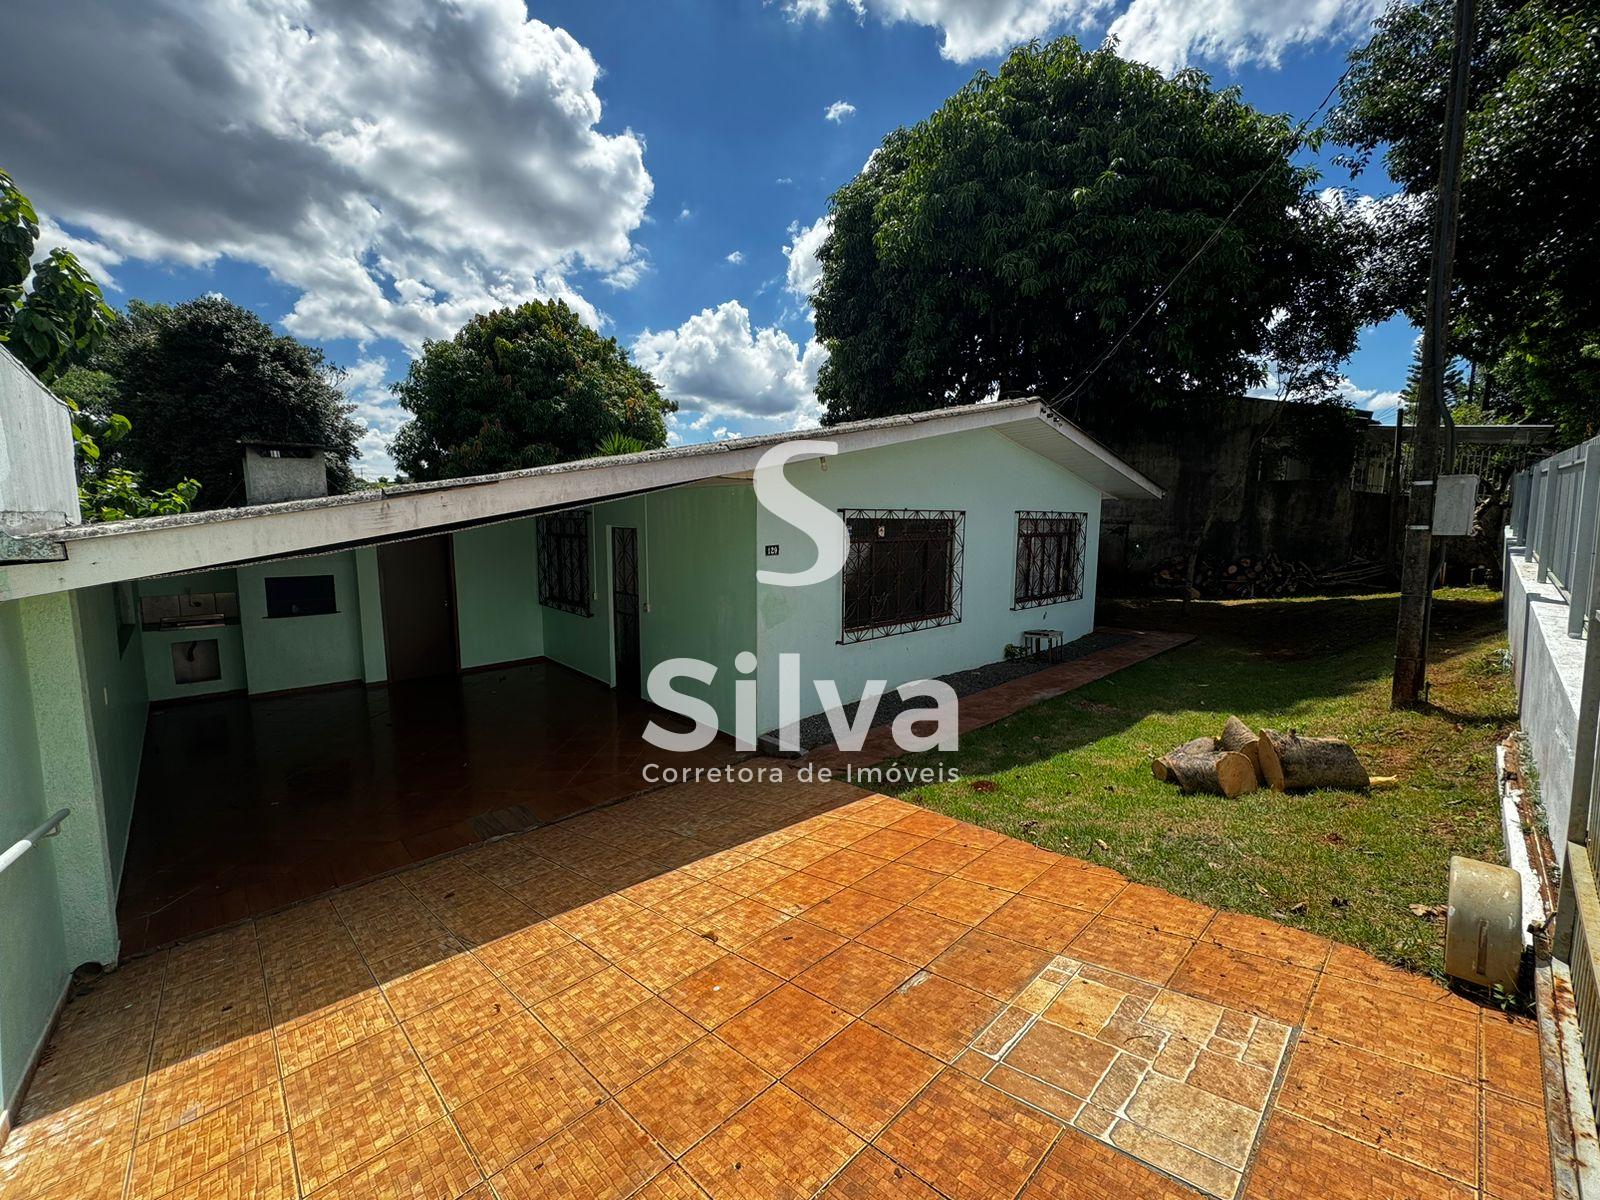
<point>85,555</point>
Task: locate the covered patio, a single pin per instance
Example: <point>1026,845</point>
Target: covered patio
<point>250,803</point>
<point>774,991</point>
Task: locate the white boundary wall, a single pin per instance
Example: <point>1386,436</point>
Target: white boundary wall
<point>38,486</point>
<point>1549,678</point>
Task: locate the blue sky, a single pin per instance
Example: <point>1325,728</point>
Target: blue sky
<point>365,176</point>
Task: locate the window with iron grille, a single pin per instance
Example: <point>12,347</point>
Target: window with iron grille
<point>564,562</point>
<point>1049,557</point>
<point>902,571</point>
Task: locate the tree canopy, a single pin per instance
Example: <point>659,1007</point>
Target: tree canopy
<point>523,387</point>
<point>1526,308</point>
<point>56,318</point>
<point>1006,244</point>
<point>197,379</point>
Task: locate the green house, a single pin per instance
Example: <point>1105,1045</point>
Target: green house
<point>242,707</point>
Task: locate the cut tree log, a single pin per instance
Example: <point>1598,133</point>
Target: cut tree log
<point>1162,770</point>
<point>1291,763</point>
<point>1197,767</point>
<point>1240,738</point>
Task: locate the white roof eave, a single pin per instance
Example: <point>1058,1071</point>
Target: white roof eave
<point>85,555</point>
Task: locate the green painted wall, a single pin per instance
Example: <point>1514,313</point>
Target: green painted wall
<point>33,956</point>
<point>374,657</point>
<point>979,472</point>
<point>69,774</point>
<point>298,652</point>
<point>497,594</point>
<point>584,643</point>
<point>114,678</point>
<point>696,581</point>
<point>156,645</point>
<point>699,578</point>
<point>72,710</point>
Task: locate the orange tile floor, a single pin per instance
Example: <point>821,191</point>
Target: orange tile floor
<point>767,992</point>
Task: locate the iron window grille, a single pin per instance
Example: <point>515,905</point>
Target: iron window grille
<point>564,562</point>
<point>1050,548</point>
<point>902,571</point>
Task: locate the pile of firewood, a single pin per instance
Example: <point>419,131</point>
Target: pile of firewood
<point>1241,761</point>
<point>1239,578</point>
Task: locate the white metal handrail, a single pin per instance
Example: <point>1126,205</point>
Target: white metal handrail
<point>49,829</point>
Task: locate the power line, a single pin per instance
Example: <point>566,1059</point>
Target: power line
<point>1295,142</point>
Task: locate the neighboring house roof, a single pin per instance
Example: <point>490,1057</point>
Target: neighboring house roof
<point>83,555</point>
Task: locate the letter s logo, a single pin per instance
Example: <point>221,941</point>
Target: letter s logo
<point>789,504</point>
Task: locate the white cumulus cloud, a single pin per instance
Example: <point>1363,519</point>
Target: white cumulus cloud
<point>736,257</point>
<point>399,165</point>
<point>95,257</point>
<point>805,269</point>
<point>1164,33</point>
<point>1377,401</point>
<point>716,366</point>
<point>838,111</point>
<point>366,388</point>
<point>1172,33</point>
<point>971,28</point>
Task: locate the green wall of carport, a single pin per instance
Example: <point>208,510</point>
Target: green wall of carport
<point>72,702</point>
<point>263,654</point>
<point>33,952</point>
<point>979,472</point>
<point>284,653</point>
<point>697,552</point>
<point>498,618</point>
<point>156,645</point>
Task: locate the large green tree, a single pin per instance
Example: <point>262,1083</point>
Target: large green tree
<point>523,387</point>
<point>1526,308</point>
<point>1008,242</point>
<point>196,379</point>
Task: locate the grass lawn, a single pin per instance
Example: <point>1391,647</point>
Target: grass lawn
<point>1073,774</point>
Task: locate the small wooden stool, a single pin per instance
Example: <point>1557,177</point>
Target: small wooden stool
<point>1040,642</point>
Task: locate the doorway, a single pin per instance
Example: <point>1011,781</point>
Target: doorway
<point>625,608</point>
<point>419,630</point>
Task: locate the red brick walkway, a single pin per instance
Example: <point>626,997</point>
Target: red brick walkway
<point>774,991</point>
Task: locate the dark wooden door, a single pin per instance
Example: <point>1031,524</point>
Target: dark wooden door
<point>625,607</point>
<point>419,628</point>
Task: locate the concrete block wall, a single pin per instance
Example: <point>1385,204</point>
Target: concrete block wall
<point>38,484</point>
<point>1549,679</point>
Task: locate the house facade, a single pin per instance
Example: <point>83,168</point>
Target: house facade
<point>965,527</point>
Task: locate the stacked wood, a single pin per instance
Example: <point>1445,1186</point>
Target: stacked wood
<point>1292,763</point>
<point>1239,578</point>
<point>1199,766</point>
<point>1358,572</point>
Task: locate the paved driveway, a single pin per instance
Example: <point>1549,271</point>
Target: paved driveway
<point>768,991</point>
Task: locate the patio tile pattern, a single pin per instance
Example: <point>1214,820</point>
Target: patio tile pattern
<point>246,804</point>
<point>773,991</point>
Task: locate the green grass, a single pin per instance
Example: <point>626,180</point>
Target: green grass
<point>1073,774</point>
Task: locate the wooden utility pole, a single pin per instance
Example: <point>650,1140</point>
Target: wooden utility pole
<point>1416,561</point>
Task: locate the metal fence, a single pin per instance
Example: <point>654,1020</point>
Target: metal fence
<point>1492,452</point>
<point>1554,508</point>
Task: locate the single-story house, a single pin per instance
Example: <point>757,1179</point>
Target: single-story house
<point>966,526</point>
